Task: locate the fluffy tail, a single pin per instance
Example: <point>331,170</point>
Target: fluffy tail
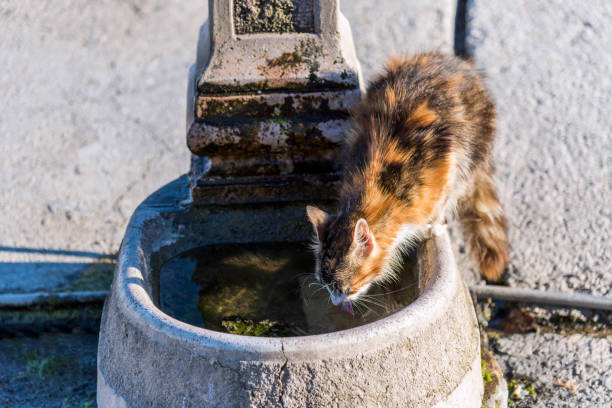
<point>485,225</point>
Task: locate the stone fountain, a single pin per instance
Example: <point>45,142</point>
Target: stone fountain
<point>268,105</point>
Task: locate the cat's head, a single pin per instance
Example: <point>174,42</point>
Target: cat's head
<point>347,256</point>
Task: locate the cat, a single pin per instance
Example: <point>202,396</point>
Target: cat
<point>419,151</point>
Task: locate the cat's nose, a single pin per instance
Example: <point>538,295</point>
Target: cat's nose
<point>335,295</point>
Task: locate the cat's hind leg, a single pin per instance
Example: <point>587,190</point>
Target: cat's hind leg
<point>482,217</point>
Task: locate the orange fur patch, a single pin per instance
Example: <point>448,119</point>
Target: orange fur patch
<point>396,62</point>
<point>423,59</point>
<point>422,116</point>
<point>385,213</point>
<point>394,153</point>
<point>435,180</point>
<point>454,82</point>
<point>367,272</point>
<point>390,97</point>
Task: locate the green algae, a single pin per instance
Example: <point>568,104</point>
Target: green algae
<point>518,389</point>
<point>43,366</point>
<point>266,289</point>
<point>245,327</point>
<point>96,276</point>
<point>49,369</point>
<point>50,317</point>
<point>492,378</point>
<point>486,376</point>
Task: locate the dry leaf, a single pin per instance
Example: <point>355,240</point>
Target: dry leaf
<point>518,321</point>
<point>568,384</point>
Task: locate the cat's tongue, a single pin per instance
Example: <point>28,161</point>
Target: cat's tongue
<point>348,308</point>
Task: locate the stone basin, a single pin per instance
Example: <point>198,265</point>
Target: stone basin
<point>425,355</point>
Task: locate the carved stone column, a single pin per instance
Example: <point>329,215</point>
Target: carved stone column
<point>271,94</point>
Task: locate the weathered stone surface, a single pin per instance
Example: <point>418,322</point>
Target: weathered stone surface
<point>550,71</point>
<point>270,106</point>
<point>495,386</point>
<point>319,58</point>
<point>277,105</point>
<point>546,360</point>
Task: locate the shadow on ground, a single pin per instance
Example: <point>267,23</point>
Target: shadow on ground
<point>41,269</point>
<point>50,370</point>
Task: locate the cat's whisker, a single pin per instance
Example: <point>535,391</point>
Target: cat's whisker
<point>365,305</point>
<point>322,286</point>
<point>370,297</point>
<point>374,302</point>
<point>356,306</point>
<point>392,291</point>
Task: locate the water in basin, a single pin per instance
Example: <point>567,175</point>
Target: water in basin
<point>268,289</point>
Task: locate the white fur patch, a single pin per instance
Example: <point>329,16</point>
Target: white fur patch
<point>360,292</point>
<point>438,229</point>
<point>406,238</point>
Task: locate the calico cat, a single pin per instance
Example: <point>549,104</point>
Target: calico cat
<point>419,151</point>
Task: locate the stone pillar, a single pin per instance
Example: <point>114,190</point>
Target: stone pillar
<point>271,94</point>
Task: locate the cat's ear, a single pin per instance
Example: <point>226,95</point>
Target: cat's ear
<point>317,217</point>
<point>363,238</point>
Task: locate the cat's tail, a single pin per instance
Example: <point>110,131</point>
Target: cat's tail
<point>485,224</point>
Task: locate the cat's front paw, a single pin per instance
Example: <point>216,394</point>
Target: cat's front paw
<point>438,229</point>
<point>434,230</point>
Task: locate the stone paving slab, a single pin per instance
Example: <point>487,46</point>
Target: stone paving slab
<point>92,116</point>
<point>383,28</point>
<point>549,67</point>
<point>545,360</point>
<point>92,120</point>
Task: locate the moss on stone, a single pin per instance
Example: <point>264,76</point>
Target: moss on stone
<point>97,276</point>
<point>43,366</point>
<point>486,376</point>
<point>492,378</point>
<point>518,389</point>
<point>237,107</point>
<point>259,328</point>
<point>244,327</point>
<point>310,53</point>
<point>287,61</point>
<point>273,16</point>
<point>50,318</point>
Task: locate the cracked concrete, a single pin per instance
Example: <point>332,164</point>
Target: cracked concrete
<point>281,373</point>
